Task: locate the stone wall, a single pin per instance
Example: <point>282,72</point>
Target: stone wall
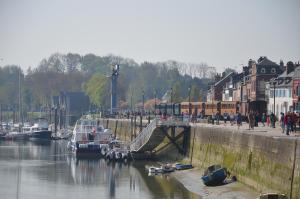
<point>268,164</point>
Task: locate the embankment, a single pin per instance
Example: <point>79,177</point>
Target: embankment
<point>262,162</point>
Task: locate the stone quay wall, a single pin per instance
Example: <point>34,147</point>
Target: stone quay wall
<point>268,164</point>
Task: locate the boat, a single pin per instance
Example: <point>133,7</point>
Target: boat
<point>39,130</point>
<point>88,137</point>
<point>180,166</point>
<point>167,168</point>
<point>272,196</point>
<point>155,170</point>
<point>214,175</point>
<point>15,135</point>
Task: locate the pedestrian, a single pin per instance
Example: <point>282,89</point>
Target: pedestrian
<point>225,116</point>
<point>218,117</point>
<point>251,119</point>
<point>282,122</point>
<point>231,118</point>
<point>268,120</point>
<point>263,119</point>
<point>256,118</point>
<point>272,119</point>
<point>239,120</point>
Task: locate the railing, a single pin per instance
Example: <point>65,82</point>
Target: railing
<point>143,136</point>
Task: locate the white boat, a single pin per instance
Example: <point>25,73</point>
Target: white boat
<point>39,130</point>
<point>155,170</point>
<point>88,138</point>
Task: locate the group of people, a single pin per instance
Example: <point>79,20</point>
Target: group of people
<point>288,122</point>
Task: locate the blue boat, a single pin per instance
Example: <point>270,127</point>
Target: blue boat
<point>180,166</point>
<point>214,175</point>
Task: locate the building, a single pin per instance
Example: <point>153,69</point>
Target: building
<point>215,93</point>
<point>279,91</point>
<point>70,106</point>
<point>296,88</point>
<point>253,85</point>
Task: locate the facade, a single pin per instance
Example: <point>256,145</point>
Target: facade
<point>281,88</point>
<point>215,93</point>
<point>70,106</point>
<point>254,84</point>
<point>296,88</point>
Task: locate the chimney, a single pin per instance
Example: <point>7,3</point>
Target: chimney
<point>289,67</point>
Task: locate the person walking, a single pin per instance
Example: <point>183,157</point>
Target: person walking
<point>282,122</point>
<point>263,119</point>
<point>225,116</point>
<point>231,118</point>
<point>273,120</point>
<point>238,120</point>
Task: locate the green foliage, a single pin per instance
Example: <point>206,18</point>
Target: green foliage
<point>97,88</point>
<point>90,73</point>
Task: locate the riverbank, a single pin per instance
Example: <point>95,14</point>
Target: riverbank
<point>263,158</point>
<point>191,180</point>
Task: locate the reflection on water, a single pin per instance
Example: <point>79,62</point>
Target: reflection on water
<point>47,170</point>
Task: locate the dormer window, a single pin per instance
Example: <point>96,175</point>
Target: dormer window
<point>273,70</point>
<point>263,70</point>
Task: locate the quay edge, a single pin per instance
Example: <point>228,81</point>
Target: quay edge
<point>263,162</point>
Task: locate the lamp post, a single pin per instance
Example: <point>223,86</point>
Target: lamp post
<point>155,103</point>
<point>172,100</point>
<point>131,102</point>
<point>274,87</point>
<point>189,89</point>
<point>143,93</point>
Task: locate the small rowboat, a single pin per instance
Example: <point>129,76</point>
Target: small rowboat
<point>272,196</point>
<point>180,166</point>
<point>214,175</point>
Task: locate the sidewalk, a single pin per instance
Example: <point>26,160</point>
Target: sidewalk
<point>260,130</point>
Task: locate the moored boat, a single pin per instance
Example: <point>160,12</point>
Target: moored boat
<point>180,166</point>
<point>272,196</point>
<point>88,137</point>
<point>39,130</point>
<point>214,175</point>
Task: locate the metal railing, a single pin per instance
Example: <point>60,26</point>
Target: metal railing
<point>146,133</point>
<point>143,136</point>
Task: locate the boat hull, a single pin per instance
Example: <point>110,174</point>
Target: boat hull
<point>215,178</point>
<point>41,135</point>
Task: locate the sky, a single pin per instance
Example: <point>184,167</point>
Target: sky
<point>221,33</point>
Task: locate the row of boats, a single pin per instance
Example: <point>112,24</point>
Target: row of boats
<point>39,130</point>
<point>90,138</point>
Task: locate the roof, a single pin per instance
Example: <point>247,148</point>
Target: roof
<point>224,78</point>
<point>266,62</point>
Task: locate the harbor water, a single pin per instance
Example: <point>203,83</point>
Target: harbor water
<point>35,170</point>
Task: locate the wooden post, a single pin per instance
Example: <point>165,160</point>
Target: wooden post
<point>193,146</point>
<point>116,126</point>
<point>1,116</point>
<point>107,123</point>
<point>131,128</point>
<point>55,121</point>
<point>141,123</point>
<point>135,126</point>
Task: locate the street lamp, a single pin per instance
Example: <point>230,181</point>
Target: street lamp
<point>274,87</point>
<point>143,93</point>
<point>172,100</point>
<point>189,101</point>
<point>155,103</point>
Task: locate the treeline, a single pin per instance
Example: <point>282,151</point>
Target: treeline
<point>90,73</point>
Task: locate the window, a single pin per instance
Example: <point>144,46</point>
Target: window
<point>290,92</point>
<point>263,70</point>
<point>271,93</point>
<point>273,70</point>
<point>283,93</point>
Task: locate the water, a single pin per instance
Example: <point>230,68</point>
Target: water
<point>31,170</point>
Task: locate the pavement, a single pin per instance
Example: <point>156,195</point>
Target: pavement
<point>260,130</point>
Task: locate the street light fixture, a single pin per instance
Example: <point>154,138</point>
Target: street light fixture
<point>172,100</point>
<point>189,89</point>
<point>155,103</point>
<point>143,94</point>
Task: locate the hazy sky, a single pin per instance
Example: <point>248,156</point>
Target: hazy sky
<point>222,33</point>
